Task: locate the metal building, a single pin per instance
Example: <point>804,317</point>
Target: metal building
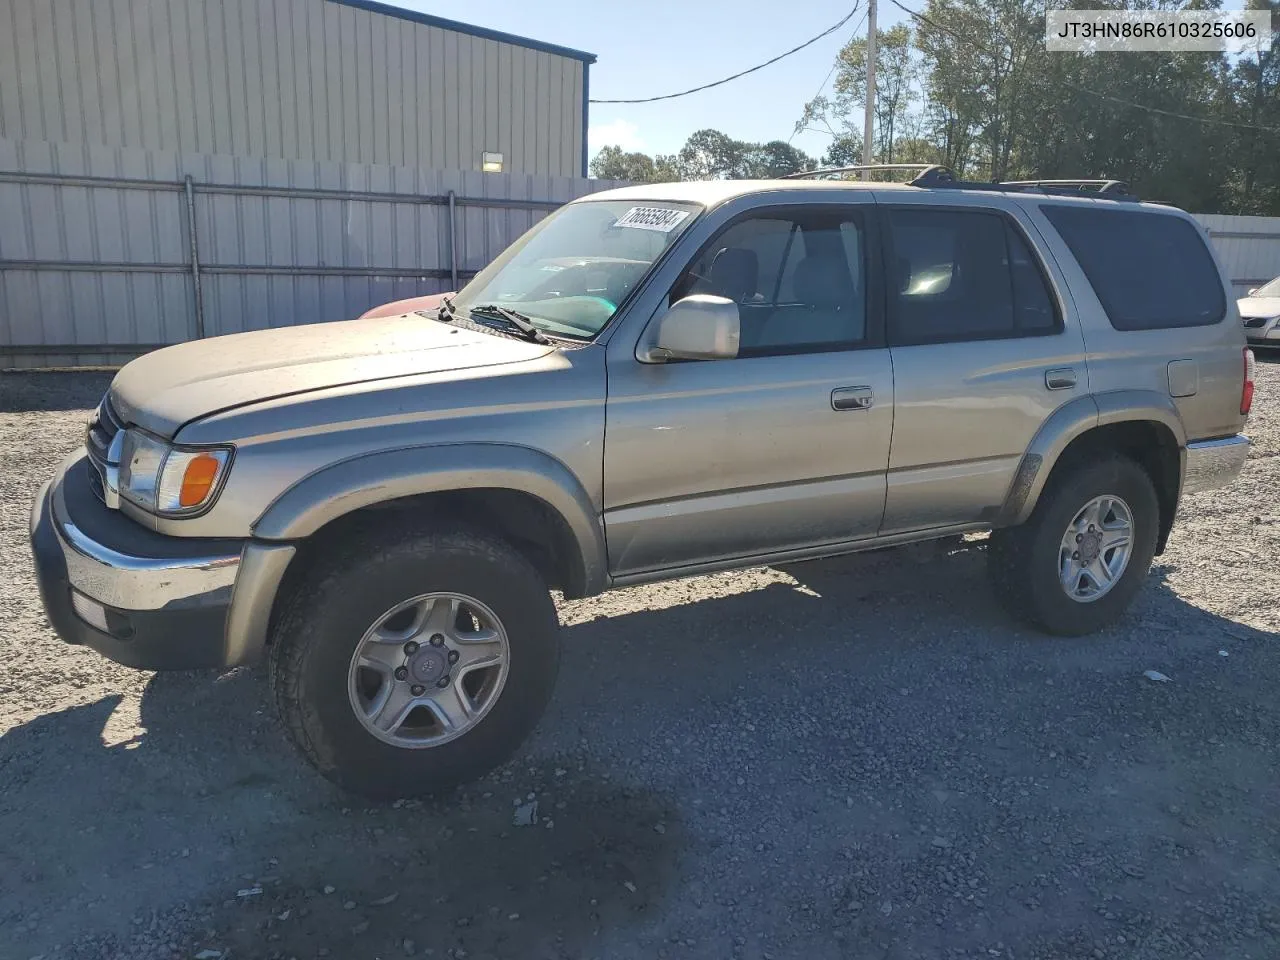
<point>329,80</point>
<point>175,169</point>
<point>1249,248</point>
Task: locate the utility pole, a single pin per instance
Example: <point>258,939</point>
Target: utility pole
<point>868,120</point>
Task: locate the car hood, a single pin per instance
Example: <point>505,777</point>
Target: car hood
<point>1259,307</point>
<point>164,390</point>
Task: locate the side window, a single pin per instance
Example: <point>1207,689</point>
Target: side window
<point>741,264</point>
<point>851,237</point>
<point>1034,309</point>
<point>1151,271</point>
<point>959,275</point>
<point>799,280</point>
<point>795,253</point>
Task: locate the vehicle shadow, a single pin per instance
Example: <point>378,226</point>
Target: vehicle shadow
<point>151,828</point>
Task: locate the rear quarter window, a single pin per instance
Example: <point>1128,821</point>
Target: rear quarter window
<point>1150,271</point>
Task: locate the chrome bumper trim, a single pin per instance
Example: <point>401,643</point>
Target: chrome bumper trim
<point>128,582</point>
<point>1214,463</point>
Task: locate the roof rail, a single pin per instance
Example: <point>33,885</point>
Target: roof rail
<point>936,175</point>
<point>1112,187</point>
<point>923,168</point>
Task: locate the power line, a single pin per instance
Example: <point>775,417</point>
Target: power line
<point>1170,113</point>
<point>951,33</point>
<point>743,73</point>
<point>830,73</point>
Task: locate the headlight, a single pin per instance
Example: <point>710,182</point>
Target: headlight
<point>168,480</point>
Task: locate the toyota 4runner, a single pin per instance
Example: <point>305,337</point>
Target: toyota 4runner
<point>653,382</point>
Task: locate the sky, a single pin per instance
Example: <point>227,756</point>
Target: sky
<point>662,46</point>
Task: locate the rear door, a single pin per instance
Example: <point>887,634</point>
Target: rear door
<point>983,352</point>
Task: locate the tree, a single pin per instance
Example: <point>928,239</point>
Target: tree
<point>611,163</point>
<point>774,159</point>
<point>707,155</point>
<point>897,91</point>
<point>1254,94</point>
<point>845,151</point>
<point>982,58</point>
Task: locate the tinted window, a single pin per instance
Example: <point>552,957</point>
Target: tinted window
<point>1033,305</point>
<point>1150,271</point>
<point>797,279</point>
<point>963,275</point>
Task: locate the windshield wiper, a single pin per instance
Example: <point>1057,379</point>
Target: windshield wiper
<point>517,320</point>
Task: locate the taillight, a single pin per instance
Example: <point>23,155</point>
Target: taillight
<point>1246,392</point>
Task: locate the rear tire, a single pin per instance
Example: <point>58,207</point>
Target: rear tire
<point>344,615</point>
<point>1030,565</point>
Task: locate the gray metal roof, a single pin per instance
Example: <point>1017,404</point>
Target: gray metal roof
<point>458,27</point>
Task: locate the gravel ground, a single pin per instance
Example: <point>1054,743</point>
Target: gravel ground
<point>853,758</point>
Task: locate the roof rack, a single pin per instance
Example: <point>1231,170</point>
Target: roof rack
<point>936,175</point>
<point>924,169</point>
<point>1113,187</point>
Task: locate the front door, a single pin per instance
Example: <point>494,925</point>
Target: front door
<point>785,446</point>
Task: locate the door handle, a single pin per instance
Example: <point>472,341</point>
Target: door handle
<point>1060,378</point>
<point>852,398</point>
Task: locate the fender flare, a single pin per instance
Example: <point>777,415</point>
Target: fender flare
<point>1072,420</point>
<point>378,477</point>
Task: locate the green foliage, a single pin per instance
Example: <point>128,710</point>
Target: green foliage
<point>611,163</point>
<point>706,155</point>
<point>971,86</point>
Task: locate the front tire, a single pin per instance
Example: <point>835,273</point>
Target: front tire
<point>1074,567</point>
<point>407,664</point>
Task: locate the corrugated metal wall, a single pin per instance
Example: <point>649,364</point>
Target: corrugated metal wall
<point>1249,248</point>
<point>288,79</point>
<point>91,264</point>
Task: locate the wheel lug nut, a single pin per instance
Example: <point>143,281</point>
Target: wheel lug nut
<point>437,640</point>
<point>443,681</point>
<point>1075,555</point>
<point>453,656</point>
<point>417,689</point>
<point>1079,537</point>
<point>411,648</point>
<point>402,673</point>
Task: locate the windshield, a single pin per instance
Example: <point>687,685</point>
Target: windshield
<point>1271,289</point>
<point>569,273</point>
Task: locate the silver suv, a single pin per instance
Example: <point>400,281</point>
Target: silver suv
<point>653,382</point>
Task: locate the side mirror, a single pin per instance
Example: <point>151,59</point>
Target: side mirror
<point>699,327</point>
<point>1252,291</point>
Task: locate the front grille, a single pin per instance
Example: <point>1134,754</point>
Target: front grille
<point>1254,322</point>
<point>103,427</point>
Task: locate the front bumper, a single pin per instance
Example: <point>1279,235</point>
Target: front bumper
<point>156,602</point>
<point>1214,463</point>
<point>1259,332</point>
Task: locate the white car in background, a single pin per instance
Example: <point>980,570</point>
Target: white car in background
<point>1260,311</point>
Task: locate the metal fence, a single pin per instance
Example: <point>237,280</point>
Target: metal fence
<point>107,254</point>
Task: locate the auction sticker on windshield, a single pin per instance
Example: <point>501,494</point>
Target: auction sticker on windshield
<point>652,218</point>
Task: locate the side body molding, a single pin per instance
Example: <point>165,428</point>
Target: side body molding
<point>375,478</point>
<point>1072,420</point>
